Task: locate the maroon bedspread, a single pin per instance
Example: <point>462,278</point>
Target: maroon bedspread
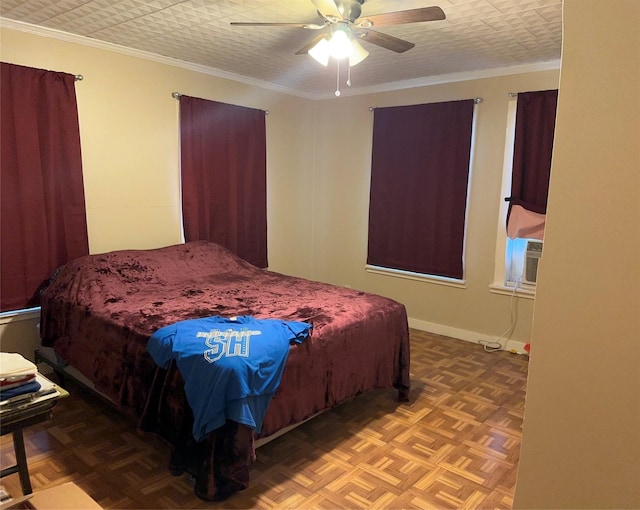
<point>99,311</point>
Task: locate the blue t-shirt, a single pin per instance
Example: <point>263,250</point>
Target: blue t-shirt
<point>231,366</point>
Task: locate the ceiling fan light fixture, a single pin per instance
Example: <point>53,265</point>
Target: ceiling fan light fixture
<point>321,52</point>
<point>357,54</point>
<point>340,44</point>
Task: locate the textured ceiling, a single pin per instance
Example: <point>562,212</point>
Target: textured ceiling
<point>477,35</point>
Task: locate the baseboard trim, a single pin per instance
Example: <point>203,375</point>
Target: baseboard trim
<point>513,346</point>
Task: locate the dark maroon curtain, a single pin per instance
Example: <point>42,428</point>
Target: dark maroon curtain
<point>43,222</point>
<point>533,147</point>
<point>224,168</point>
<point>419,177</point>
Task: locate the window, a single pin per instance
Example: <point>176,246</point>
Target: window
<point>419,183</point>
<point>527,169</point>
<point>223,168</point>
<point>42,199</point>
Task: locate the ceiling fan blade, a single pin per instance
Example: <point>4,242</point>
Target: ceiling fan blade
<point>311,26</point>
<point>396,18</point>
<point>328,8</point>
<point>305,49</point>
<point>386,41</point>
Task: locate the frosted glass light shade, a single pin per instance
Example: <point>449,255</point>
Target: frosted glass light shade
<point>340,45</point>
<point>357,54</point>
<point>320,52</point>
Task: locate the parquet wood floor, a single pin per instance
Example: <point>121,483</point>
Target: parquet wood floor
<point>455,445</point>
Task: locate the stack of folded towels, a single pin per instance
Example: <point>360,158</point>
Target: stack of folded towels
<point>17,375</point>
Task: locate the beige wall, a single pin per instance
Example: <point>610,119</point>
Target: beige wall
<point>129,135</point>
<point>581,440</point>
<point>581,444</point>
<point>318,174</point>
<point>342,198</point>
<point>130,155</point>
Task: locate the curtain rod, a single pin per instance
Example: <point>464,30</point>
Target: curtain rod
<point>79,77</point>
<point>476,100</point>
<point>177,95</point>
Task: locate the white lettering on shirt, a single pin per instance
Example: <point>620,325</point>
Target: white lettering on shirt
<point>226,343</point>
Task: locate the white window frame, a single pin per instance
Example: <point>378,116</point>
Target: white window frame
<point>504,281</point>
<point>431,278</point>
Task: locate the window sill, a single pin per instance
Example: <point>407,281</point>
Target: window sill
<point>20,315</point>
<point>507,290</point>
<point>408,275</point>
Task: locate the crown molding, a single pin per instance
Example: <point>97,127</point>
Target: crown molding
<point>131,52</point>
<point>551,65</point>
<point>386,87</point>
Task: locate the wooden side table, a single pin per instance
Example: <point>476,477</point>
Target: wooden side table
<point>25,413</point>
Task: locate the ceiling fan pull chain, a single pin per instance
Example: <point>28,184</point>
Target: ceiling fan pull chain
<point>338,78</point>
<point>349,76</point>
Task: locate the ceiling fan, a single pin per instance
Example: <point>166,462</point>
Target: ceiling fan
<point>342,20</point>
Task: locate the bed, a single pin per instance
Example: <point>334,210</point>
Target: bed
<point>99,311</point>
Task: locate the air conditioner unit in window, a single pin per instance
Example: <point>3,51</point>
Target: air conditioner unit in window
<point>530,266</point>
